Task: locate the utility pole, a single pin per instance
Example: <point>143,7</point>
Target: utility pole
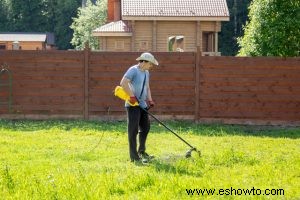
<point>235,16</point>
<point>83,3</point>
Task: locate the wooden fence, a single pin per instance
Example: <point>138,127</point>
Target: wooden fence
<point>79,84</point>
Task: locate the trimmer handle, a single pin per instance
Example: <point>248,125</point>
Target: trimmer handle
<point>120,93</point>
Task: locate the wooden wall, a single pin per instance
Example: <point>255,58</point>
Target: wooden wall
<point>187,29</point>
<point>118,44</point>
<point>79,84</point>
<point>144,33</point>
<point>27,45</point>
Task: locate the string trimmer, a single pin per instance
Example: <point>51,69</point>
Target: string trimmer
<point>120,92</point>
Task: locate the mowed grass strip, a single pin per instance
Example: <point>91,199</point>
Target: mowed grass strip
<point>89,160</point>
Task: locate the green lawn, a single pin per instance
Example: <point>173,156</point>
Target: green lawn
<point>89,160</point>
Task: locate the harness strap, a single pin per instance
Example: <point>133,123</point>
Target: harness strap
<point>143,86</point>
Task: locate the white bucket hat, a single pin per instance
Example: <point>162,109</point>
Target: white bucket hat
<point>148,57</point>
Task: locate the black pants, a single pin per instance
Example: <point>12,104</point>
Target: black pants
<point>137,123</point>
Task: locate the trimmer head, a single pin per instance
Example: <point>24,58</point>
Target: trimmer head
<point>189,152</point>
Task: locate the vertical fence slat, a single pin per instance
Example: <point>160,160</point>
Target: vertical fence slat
<point>197,83</point>
<point>86,81</point>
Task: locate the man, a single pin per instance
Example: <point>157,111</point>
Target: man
<point>135,82</point>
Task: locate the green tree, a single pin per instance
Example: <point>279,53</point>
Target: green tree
<point>51,13</point>
<point>273,29</point>
<point>233,29</point>
<point>59,16</point>
<point>62,20</point>
<point>40,16</point>
<point>26,15</point>
<point>89,18</point>
<point>3,16</point>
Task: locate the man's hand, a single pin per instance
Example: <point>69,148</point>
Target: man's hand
<point>150,104</point>
<point>133,100</point>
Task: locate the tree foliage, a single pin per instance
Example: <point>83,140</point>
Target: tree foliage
<point>26,15</point>
<point>62,20</point>
<point>233,29</point>
<point>3,16</point>
<point>40,16</point>
<point>273,29</point>
<point>89,18</point>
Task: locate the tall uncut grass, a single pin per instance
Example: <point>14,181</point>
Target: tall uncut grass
<point>89,160</point>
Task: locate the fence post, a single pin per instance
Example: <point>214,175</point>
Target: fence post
<point>8,84</point>
<point>86,81</point>
<point>197,83</point>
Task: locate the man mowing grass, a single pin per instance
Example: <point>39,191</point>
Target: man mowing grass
<point>135,82</point>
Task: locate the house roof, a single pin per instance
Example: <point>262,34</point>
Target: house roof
<point>171,10</point>
<point>27,37</point>
<point>118,28</point>
<point>174,8</point>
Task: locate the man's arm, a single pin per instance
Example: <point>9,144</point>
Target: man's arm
<point>149,97</point>
<point>125,85</point>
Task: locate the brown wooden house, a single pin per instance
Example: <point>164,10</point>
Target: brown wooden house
<point>26,41</point>
<point>163,25</point>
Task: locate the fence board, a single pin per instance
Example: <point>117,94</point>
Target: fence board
<point>250,88</point>
<point>45,82</point>
<point>248,114</point>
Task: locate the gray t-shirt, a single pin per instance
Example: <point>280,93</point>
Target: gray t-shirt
<point>137,76</point>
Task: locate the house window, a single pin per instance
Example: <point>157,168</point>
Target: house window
<point>143,46</point>
<point>2,46</point>
<point>176,43</point>
<point>119,45</point>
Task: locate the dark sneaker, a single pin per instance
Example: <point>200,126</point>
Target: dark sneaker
<point>140,162</point>
<point>144,155</point>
